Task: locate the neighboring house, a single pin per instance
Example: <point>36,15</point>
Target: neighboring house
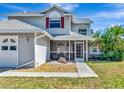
<point>41,36</point>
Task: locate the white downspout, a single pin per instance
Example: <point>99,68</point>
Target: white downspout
<point>34,48</point>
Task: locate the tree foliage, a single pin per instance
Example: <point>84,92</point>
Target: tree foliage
<point>111,43</point>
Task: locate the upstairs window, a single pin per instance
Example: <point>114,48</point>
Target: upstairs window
<point>55,19</point>
<point>54,23</point>
<point>83,31</point>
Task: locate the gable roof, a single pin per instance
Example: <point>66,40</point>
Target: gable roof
<point>55,6</point>
<point>14,25</point>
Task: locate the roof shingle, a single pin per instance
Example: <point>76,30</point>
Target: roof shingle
<point>16,25</point>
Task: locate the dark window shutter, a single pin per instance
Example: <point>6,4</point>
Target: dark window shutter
<point>47,22</point>
<point>62,22</point>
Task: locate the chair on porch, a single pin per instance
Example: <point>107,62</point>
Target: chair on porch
<point>61,55</point>
<point>54,56</point>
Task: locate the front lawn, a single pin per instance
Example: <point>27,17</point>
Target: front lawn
<point>111,75</point>
<point>46,67</point>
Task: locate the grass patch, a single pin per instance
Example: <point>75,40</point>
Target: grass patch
<point>111,75</point>
<point>51,68</point>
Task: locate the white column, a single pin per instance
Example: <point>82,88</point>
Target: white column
<point>86,50</point>
<point>49,50</point>
<point>75,50</point>
<point>69,50</point>
<point>65,48</point>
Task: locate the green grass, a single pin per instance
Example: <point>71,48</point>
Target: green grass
<point>46,67</point>
<point>111,75</point>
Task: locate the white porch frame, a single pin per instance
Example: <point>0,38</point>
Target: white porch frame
<point>35,43</point>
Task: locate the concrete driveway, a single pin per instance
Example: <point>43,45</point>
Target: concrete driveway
<point>5,69</point>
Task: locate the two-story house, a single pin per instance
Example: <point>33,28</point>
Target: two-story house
<point>40,36</point>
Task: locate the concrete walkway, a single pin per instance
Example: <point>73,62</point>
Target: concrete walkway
<point>84,70</point>
<point>39,74</point>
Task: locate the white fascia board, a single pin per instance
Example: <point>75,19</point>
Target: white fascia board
<point>19,31</point>
<point>81,22</point>
<point>67,14</point>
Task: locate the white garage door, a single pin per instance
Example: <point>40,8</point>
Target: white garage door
<point>8,51</point>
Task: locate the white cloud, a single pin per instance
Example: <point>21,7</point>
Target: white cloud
<point>105,18</point>
<point>116,13</point>
<point>70,7</point>
<point>118,5</point>
<point>14,7</point>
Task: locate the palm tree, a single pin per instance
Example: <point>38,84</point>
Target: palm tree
<point>111,42</point>
<point>97,36</point>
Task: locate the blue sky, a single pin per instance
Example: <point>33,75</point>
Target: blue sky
<point>103,14</point>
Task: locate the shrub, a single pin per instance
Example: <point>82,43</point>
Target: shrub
<point>112,56</point>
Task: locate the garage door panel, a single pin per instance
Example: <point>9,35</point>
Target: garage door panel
<point>8,51</point>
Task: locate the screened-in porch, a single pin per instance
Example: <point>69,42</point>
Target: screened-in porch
<point>69,49</point>
<point>72,47</point>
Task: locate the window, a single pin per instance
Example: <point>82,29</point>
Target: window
<point>54,23</point>
<point>4,47</point>
<point>83,31</point>
<point>12,40</point>
<point>12,47</point>
<point>5,40</point>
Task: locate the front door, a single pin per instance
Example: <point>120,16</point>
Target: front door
<point>79,51</point>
